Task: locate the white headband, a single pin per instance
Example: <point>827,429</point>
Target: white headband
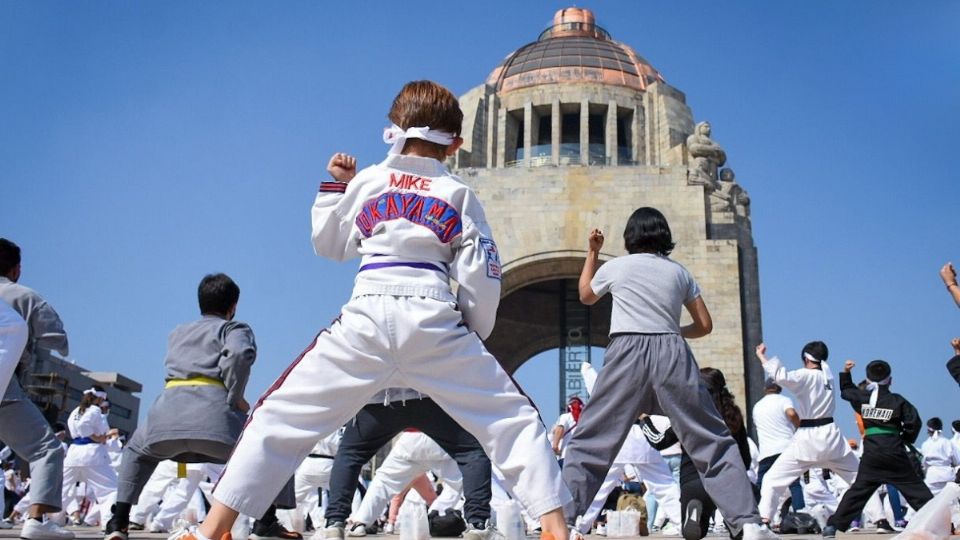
<point>874,388</point>
<point>97,393</point>
<point>396,136</point>
<point>824,366</point>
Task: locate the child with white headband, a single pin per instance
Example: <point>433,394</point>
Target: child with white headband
<point>415,227</point>
<point>818,441</point>
<point>87,458</point>
<point>889,422</point>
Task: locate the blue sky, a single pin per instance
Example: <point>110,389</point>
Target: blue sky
<point>144,144</point>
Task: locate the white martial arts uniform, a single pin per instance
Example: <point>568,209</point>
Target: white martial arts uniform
<point>416,227</point>
<point>311,475</point>
<point>566,423</point>
<point>413,454</point>
<point>168,487</point>
<point>940,460</point>
<point>820,446</point>
<point>89,462</point>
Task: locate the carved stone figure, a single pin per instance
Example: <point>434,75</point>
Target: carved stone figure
<point>706,155</point>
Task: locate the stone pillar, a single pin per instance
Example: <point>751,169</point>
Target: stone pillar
<point>611,133</point>
<point>493,120</point>
<point>584,132</point>
<point>639,138</point>
<point>527,132</point>
<point>555,135</point>
<point>502,137</point>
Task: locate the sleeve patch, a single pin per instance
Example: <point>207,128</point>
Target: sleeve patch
<point>493,257</point>
<point>332,187</point>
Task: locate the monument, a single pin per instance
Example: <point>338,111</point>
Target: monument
<point>573,131</point>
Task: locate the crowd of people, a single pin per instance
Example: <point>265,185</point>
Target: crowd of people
<point>405,362</point>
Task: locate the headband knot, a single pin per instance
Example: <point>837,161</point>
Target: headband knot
<point>396,136</point>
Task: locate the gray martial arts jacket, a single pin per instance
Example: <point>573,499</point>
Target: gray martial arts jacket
<point>45,326</point>
<point>216,350</point>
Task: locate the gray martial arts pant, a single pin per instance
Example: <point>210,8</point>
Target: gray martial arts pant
<point>24,429</point>
<point>139,460</point>
<point>656,374</point>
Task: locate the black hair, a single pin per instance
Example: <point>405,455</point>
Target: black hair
<point>716,384</point>
<point>956,426</point>
<point>217,293</point>
<point>878,370</point>
<point>816,349</point>
<point>647,231</point>
<point>9,256</point>
<point>935,424</point>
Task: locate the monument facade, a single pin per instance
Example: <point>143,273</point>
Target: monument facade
<point>573,131</point>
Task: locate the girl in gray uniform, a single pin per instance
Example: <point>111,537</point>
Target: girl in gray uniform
<point>648,367</point>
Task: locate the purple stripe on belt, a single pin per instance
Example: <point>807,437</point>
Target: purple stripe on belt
<point>421,265</point>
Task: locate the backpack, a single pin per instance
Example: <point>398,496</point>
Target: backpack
<point>449,524</point>
<point>634,501</point>
<point>797,522</point>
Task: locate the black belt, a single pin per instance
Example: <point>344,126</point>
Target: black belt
<point>816,423</point>
<point>320,456</point>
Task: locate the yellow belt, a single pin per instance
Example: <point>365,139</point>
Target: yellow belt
<point>195,381</point>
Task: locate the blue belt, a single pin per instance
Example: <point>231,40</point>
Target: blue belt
<point>421,265</point>
<point>84,440</point>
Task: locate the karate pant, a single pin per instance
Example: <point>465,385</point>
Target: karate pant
<point>174,492</point>
<point>392,342</point>
<point>659,481</point>
<point>656,374</point>
<point>24,429</point>
<point>937,476</point>
<point>399,470</point>
<point>788,467</point>
<point>312,475</point>
<point>377,424</point>
<point>100,479</point>
<point>796,490</point>
<point>877,468</point>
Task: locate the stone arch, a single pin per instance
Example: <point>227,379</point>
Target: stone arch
<point>531,308</point>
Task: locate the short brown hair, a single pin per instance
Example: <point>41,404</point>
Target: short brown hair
<point>427,104</point>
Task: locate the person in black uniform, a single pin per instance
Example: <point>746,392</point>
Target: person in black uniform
<point>890,422</point>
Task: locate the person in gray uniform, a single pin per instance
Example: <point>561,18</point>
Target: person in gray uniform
<point>649,368</point>
<point>22,426</point>
<point>200,413</point>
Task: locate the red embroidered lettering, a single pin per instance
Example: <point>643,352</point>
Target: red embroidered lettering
<point>394,181</point>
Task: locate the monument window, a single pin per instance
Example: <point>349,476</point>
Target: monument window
<point>570,132</point>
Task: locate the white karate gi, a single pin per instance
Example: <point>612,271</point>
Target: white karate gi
<point>820,446</point>
<point>165,485</point>
<point>416,227</point>
<point>90,463</point>
<point>413,454</point>
<point>940,460</point>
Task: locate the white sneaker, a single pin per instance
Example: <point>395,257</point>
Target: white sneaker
<point>357,530</point>
<point>757,531</point>
<point>601,530</point>
<point>389,528</point>
<point>4,524</point>
<point>488,533</point>
<point>48,530</point>
<point>333,532</point>
<point>669,529</point>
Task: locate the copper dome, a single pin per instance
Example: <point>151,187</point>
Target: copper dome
<point>573,49</point>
